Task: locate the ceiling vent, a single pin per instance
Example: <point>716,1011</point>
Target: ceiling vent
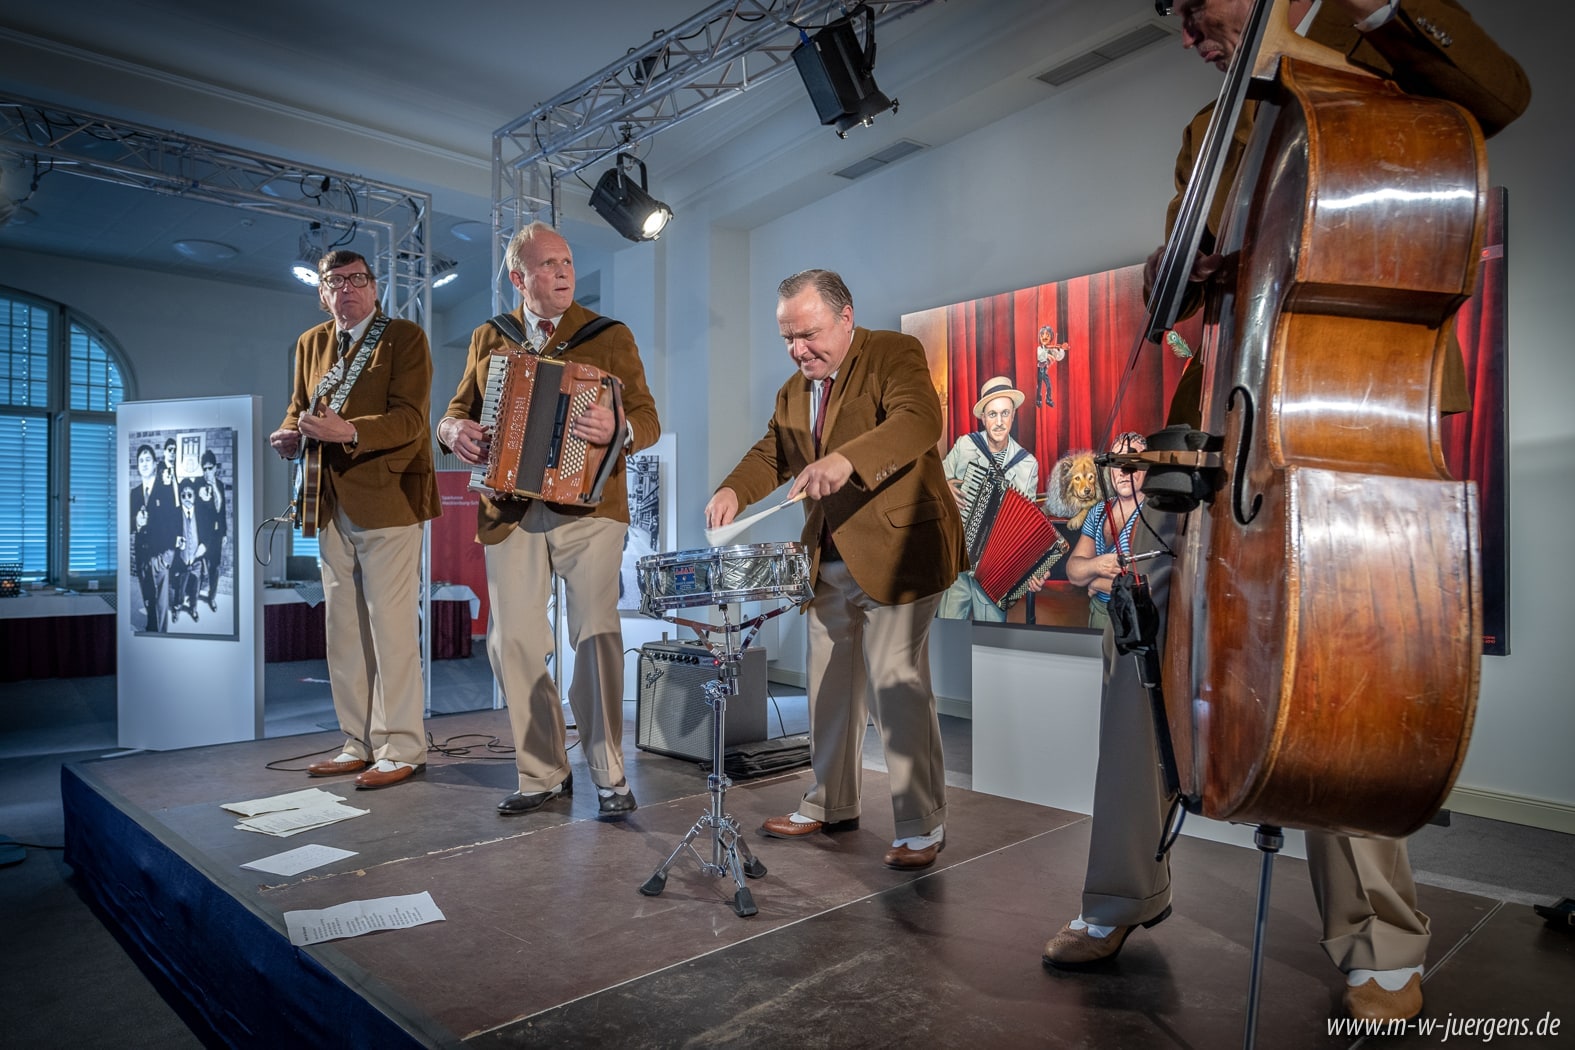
<point>890,155</point>
<point>1106,53</point>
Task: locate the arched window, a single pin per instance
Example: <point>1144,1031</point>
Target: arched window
<point>60,381</point>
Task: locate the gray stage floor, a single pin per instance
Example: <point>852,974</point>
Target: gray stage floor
<point>548,943</point>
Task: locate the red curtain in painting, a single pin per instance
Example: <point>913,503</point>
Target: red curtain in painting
<point>1096,318</point>
<point>1474,442</point>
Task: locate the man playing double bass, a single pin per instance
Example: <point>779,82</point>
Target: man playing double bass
<point>1364,889</point>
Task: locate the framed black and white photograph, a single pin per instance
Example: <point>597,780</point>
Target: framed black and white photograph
<point>645,522</point>
<point>181,485</point>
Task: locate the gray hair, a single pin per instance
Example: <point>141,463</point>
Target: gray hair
<point>520,239</point>
<point>829,284</point>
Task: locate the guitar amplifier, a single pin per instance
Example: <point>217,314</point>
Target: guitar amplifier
<point>672,717</point>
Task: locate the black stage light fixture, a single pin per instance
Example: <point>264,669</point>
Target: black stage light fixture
<point>627,207</point>
<point>840,74</point>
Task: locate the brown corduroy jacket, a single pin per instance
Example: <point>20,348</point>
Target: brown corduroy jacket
<point>895,522</point>
<point>388,478</point>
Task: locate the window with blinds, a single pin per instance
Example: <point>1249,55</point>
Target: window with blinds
<point>60,382</point>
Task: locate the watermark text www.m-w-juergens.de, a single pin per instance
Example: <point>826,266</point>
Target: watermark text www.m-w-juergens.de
<point>1452,1027</point>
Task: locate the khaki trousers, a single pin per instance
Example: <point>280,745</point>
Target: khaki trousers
<point>1363,887</point>
<point>372,599</point>
<point>864,656</point>
<point>586,552</point>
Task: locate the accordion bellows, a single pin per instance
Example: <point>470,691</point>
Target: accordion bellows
<point>526,410</point>
<point>1010,541</point>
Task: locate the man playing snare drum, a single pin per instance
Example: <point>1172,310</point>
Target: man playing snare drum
<point>528,541</point>
<point>856,430</point>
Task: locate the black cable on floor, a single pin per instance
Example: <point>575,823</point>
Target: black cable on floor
<point>490,743</point>
<point>277,768</point>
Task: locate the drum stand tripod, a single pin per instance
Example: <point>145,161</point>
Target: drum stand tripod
<point>730,854</point>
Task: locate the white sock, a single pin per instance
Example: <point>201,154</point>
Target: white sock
<point>917,842</point>
<point>799,818</point>
<point>1099,932</point>
<point>1388,980</point>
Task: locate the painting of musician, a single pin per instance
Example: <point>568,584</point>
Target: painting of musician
<point>181,558</point>
<point>1073,341</point>
<point>1024,336</point>
<point>1105,539</point>
<point>977,456</point>
<point>1046,352</point>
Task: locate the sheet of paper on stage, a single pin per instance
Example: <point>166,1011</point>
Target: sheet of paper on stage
<point>302,858</point>
<point>358,917</point>
<point>294,821</point>
<point>276,803</point>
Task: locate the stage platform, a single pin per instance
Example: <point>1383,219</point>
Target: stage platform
<point>547,941</point>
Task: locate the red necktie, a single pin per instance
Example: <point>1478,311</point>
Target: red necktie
<point>820,416</point>
<point>546,330</point>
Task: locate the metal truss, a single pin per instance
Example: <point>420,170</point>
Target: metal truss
<point>709,58</point>
<point>398,220</point>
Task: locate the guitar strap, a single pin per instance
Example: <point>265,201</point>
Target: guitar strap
<point>341,377</point>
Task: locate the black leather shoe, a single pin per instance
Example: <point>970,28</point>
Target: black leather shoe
<point>611,804</point>
<point>529,801</point>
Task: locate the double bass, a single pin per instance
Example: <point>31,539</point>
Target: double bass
<point>1323,652</point>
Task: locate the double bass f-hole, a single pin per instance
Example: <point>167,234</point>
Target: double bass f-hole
<point>1238,482</point>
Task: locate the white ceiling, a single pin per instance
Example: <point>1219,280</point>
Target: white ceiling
<point>409,92</point>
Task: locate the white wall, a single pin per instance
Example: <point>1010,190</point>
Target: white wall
<point>1078,184</point>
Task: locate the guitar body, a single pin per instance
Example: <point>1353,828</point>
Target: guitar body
<point>308,488</point>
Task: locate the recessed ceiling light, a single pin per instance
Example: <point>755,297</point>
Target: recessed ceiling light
<point>19,215</point>
<point>468,230</point>
<point>205,251</point>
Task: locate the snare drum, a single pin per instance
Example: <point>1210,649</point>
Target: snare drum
<point>746,572</point>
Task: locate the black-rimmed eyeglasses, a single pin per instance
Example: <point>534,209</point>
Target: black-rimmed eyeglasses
<point>335,281</point>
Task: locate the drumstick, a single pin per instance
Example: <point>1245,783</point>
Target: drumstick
<point>722,534</point>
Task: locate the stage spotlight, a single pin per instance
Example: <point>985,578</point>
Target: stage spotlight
<point>840,75</point>
<point>627,207</point>
<point>444,270</point>
<point>309,250</point>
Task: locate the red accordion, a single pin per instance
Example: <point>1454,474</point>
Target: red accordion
<point>526,410</point>
<point>1010,541</point>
